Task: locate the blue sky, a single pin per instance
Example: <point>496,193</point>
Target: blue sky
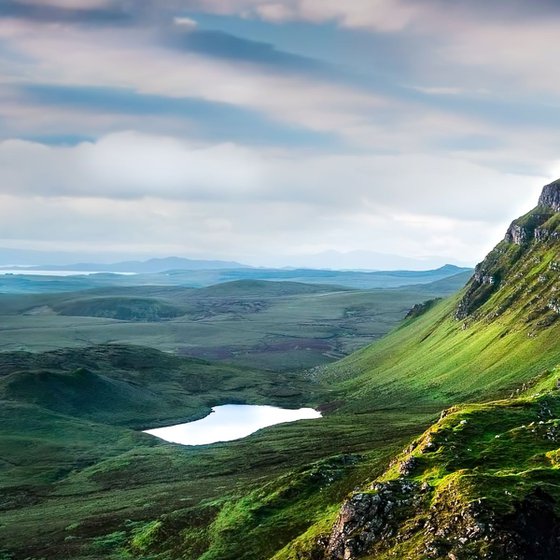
<point>265,131</point>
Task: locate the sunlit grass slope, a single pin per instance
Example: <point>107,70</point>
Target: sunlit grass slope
<point>500,331</point>
<point>482,482</point>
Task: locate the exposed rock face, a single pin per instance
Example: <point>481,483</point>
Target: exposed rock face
<point>366,520</point>
<point>550,196</point>
<point>518,234</point>
<point>533,529</point>
<point>526,229</point>
<point>482,285</point>
<point>373,523</point>
<point>536,227</point>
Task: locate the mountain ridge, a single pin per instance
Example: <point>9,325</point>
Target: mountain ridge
<point>482,482</point>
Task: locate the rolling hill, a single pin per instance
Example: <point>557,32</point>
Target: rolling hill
<point>253,323</point>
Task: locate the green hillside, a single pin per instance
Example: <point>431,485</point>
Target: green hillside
<point>483,482</point>
<point>498,332</point>
<point>132,385</point>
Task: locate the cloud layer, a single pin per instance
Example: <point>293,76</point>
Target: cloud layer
<point>236,128</point>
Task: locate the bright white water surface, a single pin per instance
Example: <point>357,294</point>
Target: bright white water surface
<point>33,272</point>
<point>229,422</point>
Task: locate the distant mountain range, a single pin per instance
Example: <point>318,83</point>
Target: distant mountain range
<point>327,260</point>
<point>358,260</point>
<point>151,266</point>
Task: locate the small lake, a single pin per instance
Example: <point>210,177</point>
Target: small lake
<point>229,422</point>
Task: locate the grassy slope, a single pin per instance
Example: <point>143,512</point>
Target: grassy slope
<point>433,359</point>
<point>508,340</point>
<point>486,484</point>
<point>509,336</point>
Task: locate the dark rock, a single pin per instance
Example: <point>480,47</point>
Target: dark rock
<point>534,528</point>
<point>421,308</point>
<point>366,520</point>
<point>550,196</point>
<point>407,467</point>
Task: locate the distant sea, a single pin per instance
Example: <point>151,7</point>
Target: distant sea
<point>23,272</point>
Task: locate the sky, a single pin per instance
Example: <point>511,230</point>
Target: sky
<point>270,132</point>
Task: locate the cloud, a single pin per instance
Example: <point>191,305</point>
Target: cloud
<point>129,165</point>
<point>185,22</point>
<point>89,12</point>
<point>207,119</point>
<point>80,67</point>
<point>174,196</point>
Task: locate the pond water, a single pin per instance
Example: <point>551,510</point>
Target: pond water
<point>229,422</point>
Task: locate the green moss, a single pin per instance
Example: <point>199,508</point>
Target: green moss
<point>111,542</point>
<point>145,536</point>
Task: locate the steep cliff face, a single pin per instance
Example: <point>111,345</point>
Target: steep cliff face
<point>523,266</point>
<point>550,196</point>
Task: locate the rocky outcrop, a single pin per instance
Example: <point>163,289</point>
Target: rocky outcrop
<point>481,286</point>
<point>521,243</point>
<point>529,228</point>
<point>372,523</point>
<point>421,308</point>
<point>550,196</point>
<point>370,519</point>
<point>518,234</point>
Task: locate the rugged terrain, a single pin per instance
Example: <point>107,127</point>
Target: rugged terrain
<point>483,481</point>
<point>378,477</point>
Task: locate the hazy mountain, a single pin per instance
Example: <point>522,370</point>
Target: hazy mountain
<point>327,260</point>
<point>150,266</point>
<point>360,260</point>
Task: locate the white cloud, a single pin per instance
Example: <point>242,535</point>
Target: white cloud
<point>231,201</point>
<point>69,4</point>
<point>128,165</point>
<point>185,22</point>
<point>377,15</point>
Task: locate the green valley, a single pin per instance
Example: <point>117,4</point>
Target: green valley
<point>254,323</point>
<point>379,476</point>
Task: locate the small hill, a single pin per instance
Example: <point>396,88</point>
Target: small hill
<point>81,393</point>
<point>121,308</point>
<point>131,385</point>
<point>266,288</point>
